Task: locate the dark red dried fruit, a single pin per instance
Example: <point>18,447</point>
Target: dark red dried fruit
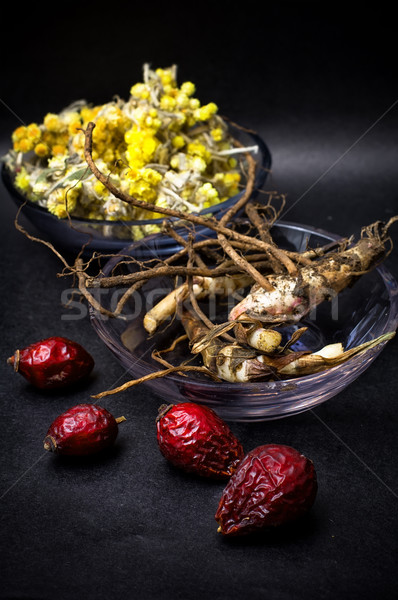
<point>81,430</point>
<point>53,363</point>
<point>194,438</point>
<point>273,485</point>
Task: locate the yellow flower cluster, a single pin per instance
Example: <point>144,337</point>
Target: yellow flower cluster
<point>161,146</point>
<point>48,139</point>
<point>27,138</point>
<point>59,202</point>
<point>143,183</point>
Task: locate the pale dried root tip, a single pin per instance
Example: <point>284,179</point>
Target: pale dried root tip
<point>50,444</point>
<point>330,351</point>
<point>14,360</point>
<point>150,324</point>
<point>120,419</point>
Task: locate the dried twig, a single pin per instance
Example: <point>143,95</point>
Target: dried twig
<point>156,375</point>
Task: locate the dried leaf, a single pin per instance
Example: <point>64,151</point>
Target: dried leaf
<point>204,341</point>
<point>314,363</point>
<point>295,336</point>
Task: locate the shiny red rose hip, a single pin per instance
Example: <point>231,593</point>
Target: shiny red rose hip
<point>195,439</point>
<point>51,363</point>
<point>273,485</point>
<point>83,429</point>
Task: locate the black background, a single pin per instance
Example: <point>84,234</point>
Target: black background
<point>318,82</point>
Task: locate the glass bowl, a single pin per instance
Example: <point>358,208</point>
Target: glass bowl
<point>112,236</point>
<point>356,315</point>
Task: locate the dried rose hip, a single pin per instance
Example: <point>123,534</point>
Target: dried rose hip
<point>81,430</point>
<point>52,363</point>
<point>273,485</point>
<point>195,439</point>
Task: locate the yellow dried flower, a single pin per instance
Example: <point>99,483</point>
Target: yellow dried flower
<point>143,191</point>
<point>140,91</point>
<point>22,180</point>
<point>232,178</point>
<point>207,195</point>
<point>151,176</point>
<point>88,114</point>
<point>33,132</point>
<point>194,103</point>
<point>182,100</point>
<point>178,141</point>
<point>188,88</point>
<point>141,147</point>
<point>24,145</point>
<point>165,76</point>
<point>217,134</point>
<point>167,103</point>
<point>58,149</point>
<point>198,149</point>
<point>18,134</point>
<point>108,155</point>
<point>144,184</point>
<point>227,183</point>
<point>57,209</point>
<point>61,201</point>
<point>100,127</point>
<point>152,228</point>
<point>204,113</point>
<point>197,164</point>
<point>100,189</point>
<point>53,123</point>
<point>74,127</point>
<point>42,150</point>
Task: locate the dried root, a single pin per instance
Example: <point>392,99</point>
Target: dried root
<point>284,286</point>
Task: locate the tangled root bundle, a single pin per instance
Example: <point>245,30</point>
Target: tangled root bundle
<point>284,285</point>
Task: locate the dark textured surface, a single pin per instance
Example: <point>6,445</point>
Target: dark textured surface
<point>319,86</point>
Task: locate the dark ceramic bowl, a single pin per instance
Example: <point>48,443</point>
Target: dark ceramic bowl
<point>111,236</point>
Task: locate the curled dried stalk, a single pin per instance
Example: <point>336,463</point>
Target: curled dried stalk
<point>82,276</point>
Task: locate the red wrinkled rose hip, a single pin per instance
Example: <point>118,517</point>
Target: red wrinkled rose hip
<point>52,363</point>
<point>195,439</point>
<point>273,485</point>
<point>82,430</point>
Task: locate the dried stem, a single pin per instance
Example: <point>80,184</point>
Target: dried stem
<point>233,210</point>
<point>32,238</point>
<point>156,356</point>
<point>243,264</point>
<point>83,289</point>
<point>183,242</point>
<point>156,375</point>
<point>180,338</point>
<point>261,225</point>
<point>192,298</point>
